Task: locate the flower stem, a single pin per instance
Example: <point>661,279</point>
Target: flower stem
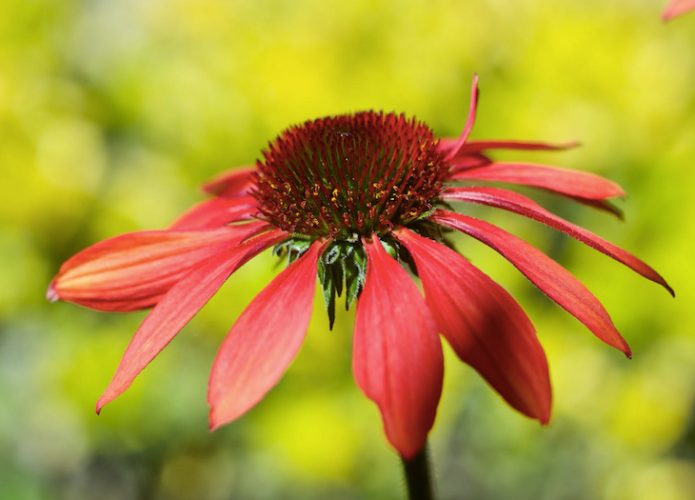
<point>418,476</point>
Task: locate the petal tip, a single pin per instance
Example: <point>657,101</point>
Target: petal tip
<point>51,293</point>
<point>214,420</point>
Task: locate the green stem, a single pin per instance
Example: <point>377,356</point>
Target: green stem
<point>418,476</point>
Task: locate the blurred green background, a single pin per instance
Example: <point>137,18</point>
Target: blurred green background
<point>113,113</point>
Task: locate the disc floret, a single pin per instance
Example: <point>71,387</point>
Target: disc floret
<point>346,176</point>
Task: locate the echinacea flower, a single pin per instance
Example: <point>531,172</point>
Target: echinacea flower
<point>676,8</point>
<point>357,200</point>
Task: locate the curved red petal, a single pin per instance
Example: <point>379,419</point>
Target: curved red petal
<point>232,183</point>
<point>484,325</point>
<point>465,162</point>
<point>134,270</point>
<point>480,146</point>
<point>470,121</point>
<point>215,213</point>
<point>559,180</point>
<point>549,276</point>
<point>177,308</point>
<point>514,202</point>
<point>263,342</point>
<point>676,8</point>
<point>397,356</point>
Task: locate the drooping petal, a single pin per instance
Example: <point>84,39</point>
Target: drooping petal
<point>263,342</point>
<point>216,212</point>
<point>559,180</point>
<point>397,356</point>
<point>676,8</point>
<point>470,121</point>
<point>134,270</point>
<point>514,202</point>
<point>549,276</point>
<point>484,325</point>
<point>177,308</point>
<point>232,183</point>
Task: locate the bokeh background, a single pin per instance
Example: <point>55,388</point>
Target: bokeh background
<point>113,113</point>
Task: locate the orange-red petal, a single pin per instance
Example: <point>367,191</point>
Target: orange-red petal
<point>559,180</point>
<point>216,212</point>
<point>177,308</point>
<point>397,355</point>
<point>470,121</point>
<point>231,183</point>
<point>484,325</point>
<point>676,8</point>
<point>549,276</point>
<point>480,146</point>
<point>264,340</point>
<point>134,270</point>
<point>514,202</point>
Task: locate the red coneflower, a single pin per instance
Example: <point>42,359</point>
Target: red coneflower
<point>357,199</point>
<point>676,8</point>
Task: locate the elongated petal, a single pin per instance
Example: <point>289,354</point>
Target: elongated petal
<point>559,180</point>
<point>216,212</point>
<point>397,356</point>
<point>134,270</point>
<point>676,8</point>
<point>484,325</point>
<point>481,146</point>
<point>465,162</point>
<point>232,183</point>
<point>514,202</point>
<point>263,342</point>
<point>177,308</point>
<point>470,121</point>
<point>550,277</point>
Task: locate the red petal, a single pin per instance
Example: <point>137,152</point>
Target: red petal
<point>514,202</point>
<point>263,342</point>
<point>445,144</point>
<point>216,212</point>
<point>676,8</point>
<point>559,180</point>
<point>456,147</point>
<point>550,277</point>
<point>134,270</point>
<point>177,308</point>
<point>484,325</point>
<point>232,183</point>
<point>464,162</point>
<point>480,146</point>
<point>397,356</point>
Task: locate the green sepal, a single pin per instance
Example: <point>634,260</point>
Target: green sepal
<point>355,271</point>
<point>292,248</point>
<point>326,278</point>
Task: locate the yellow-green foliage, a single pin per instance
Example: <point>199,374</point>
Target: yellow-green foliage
<point>113,112</point>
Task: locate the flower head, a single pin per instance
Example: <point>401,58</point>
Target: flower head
<point>676,8</point>
<point>357,200</point>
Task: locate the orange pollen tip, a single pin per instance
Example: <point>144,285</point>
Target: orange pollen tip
<point>349,175</point>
